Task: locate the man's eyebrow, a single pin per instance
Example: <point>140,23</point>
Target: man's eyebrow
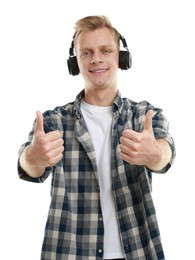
<point>101,46</point>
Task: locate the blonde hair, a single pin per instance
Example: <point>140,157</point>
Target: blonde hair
<point>92,23</point>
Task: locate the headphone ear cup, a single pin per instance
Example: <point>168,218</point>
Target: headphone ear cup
<point>125,61</point>
<point>73,67</point>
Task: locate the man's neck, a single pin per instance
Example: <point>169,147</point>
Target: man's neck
<point>100,97</point>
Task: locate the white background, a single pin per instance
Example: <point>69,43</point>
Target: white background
<point>35,37</point>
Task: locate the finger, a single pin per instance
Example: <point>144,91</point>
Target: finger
<point>39,123</point>
<point>148,120</point>
<point>130,134</point>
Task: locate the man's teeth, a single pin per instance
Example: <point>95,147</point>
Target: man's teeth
<point>99,70</point>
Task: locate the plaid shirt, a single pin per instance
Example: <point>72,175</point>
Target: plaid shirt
<point>74,228</point>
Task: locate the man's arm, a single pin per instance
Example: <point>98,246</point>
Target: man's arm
<point>159,160</point>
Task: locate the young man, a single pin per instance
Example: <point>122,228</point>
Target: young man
<point>101,150</point>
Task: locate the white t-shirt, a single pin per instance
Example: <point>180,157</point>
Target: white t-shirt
<point>99,121</point>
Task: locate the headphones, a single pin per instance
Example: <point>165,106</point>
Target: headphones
<point>125,60</point>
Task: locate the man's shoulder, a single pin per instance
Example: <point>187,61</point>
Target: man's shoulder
<point>137,105</point>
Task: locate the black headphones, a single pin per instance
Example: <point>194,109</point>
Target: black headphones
<point>125,60</point>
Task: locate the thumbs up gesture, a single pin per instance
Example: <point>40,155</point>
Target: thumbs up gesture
<point>46,148</point>
<point>141,148</point>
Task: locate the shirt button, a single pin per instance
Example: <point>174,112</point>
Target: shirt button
<point>100,251</point>
<point>100,219</point>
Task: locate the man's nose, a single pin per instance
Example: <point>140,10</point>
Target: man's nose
<point>96,59</point>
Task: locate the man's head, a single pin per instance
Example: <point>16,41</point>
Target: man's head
<point>92,23</point>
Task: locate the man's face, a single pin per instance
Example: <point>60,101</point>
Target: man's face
<point>97,56</point>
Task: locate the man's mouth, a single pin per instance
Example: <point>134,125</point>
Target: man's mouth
<point>98,70</point>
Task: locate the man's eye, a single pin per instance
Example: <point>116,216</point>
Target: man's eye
<point>106,51</point>
<point>85,53</point>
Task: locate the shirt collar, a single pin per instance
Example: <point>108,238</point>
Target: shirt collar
<point>116,106</point>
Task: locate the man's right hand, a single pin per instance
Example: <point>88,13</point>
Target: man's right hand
<point>45,150</point>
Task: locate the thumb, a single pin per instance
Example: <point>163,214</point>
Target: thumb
<point>39,123</point>
<point>148,120</point>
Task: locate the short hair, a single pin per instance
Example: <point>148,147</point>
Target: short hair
<point>92,23</point>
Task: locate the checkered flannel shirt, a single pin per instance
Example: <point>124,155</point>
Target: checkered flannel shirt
<point>74,228</point>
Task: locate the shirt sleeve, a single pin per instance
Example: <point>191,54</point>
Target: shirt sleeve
<point>161,130</point>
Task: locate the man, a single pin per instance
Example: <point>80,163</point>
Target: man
<point>101,150</point>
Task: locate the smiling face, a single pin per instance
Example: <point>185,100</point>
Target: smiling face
<point>98,57</point>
